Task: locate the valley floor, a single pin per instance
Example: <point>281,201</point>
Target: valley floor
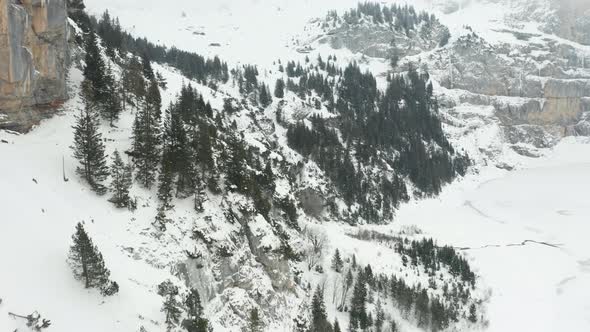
<point>526,235</point>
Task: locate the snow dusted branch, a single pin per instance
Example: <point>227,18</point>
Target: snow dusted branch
<point>34,321</point>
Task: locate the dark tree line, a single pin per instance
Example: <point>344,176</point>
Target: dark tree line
<point>399,127</point>
<point>191,65</point>
<point>429,311</point>
<point>431,256</point>
<point>401,17</point>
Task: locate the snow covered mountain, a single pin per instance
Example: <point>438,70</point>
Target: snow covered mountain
<point>497,176</point>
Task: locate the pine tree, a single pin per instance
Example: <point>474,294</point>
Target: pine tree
<point>236,178</point>
<point>82,255</point>
<point>146,65</point>
<point>319,316</point>
<point>393,326</point>
<point>393,54</point>
<point>153,99</point>
<point>89,149</point>
<point>178,152</point>
<point>146,150</point>
<point>193,304</point>
<point>358,310</point>
<point>204,147</point>
<point>199,194</point>
<point>472,313</point>
<point>88,264</point>
<point>112,107</point>
<point>379,317</point>
<point>280,88</point>
<point>165,184</point>
<point>133,81</point>
<point>171,309</point>
<point>265,97</point>
<point>254,324</point>
<point>95,71</point>
<point>160,220</point>
<point>194,321</point>
<point>301,322</point>
<point>336,326</point>
<point>337,263</point>
<point>121,181</point>
<point>269,95</point>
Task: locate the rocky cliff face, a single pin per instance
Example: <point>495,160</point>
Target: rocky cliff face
<point>525,67</point>
<point>33,60</point>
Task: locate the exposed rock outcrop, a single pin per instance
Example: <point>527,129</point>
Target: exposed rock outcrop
<point>34,38</point>
<point>374,40</point>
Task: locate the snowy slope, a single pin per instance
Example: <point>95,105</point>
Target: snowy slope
<point>39,212</point>
<point>533,287</point>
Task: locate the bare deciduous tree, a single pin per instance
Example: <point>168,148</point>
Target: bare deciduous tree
<point>317,241</point>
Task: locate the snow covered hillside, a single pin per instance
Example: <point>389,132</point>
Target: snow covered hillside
<point>469,216</point>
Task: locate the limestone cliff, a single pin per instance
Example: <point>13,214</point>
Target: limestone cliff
<point>33,60</point>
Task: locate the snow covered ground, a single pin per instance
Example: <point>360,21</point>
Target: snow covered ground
<point>539,286</point>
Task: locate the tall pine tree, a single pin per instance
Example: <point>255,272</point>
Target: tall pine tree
<point>280,88</point>
<point>165,185</point>
<point>88,264</point>
<point>337,263</point>
<point>89,148</point>
<point>358,309</point>
<point>319,317</point>
<point>95,71</point>
<point>112,107</point>
<point>254,324</point>
<point>146,149</point>
<point>121,181</point>
<point>195,322</point>
<point>172,311</point>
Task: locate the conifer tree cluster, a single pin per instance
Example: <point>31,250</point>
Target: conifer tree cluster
<point>431,256</point>
<point>146,136</point>
<point>429,311</point>
<point>118,42</point>
<point>88,264</point>
<point>401,17</point>
<point>188,137</point>
<point>99,87</point>
<point>76,11</point>
<point>173,309</point>
<point>399,127</point>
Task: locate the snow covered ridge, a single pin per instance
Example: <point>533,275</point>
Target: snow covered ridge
<point>235,219</point>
